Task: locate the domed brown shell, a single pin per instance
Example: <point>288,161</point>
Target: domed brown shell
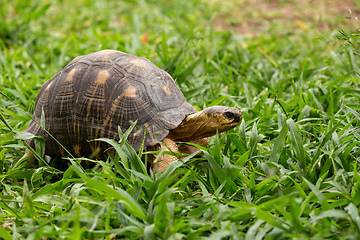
<point>96,93</point>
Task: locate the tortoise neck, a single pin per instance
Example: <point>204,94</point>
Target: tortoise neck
<point>191,128</point>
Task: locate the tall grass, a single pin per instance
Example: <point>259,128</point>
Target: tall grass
<point>289,170</point>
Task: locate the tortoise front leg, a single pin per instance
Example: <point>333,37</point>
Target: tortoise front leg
<point>190,149</point>
<point>31,160</point>
<point>165,159</point>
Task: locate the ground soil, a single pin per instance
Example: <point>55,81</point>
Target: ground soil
<point>251,17</point>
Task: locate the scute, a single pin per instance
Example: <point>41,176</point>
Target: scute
<point>96,93</point>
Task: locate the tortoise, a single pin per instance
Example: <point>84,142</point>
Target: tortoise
<point>96,93</point>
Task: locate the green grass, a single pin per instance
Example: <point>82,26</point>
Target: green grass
<point>289,171</point>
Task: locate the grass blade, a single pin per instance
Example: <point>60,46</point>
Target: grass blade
<point>279,144</point>
<point>319,195</point>
<point>297,143</point>
<point>130,204</point>
<point>220,173</point>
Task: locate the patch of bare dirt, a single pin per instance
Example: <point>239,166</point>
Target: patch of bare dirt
<point>251,17</point>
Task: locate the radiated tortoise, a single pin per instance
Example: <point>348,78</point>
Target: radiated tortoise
<point>96,93</point>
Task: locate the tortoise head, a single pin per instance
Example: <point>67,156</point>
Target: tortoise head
<point>206,123</point>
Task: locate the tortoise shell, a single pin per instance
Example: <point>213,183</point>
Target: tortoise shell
<point>96,93</point>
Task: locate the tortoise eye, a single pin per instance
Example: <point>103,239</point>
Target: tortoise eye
<point>229,115</point>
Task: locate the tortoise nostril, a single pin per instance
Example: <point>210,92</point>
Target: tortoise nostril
<point>237,118</point>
